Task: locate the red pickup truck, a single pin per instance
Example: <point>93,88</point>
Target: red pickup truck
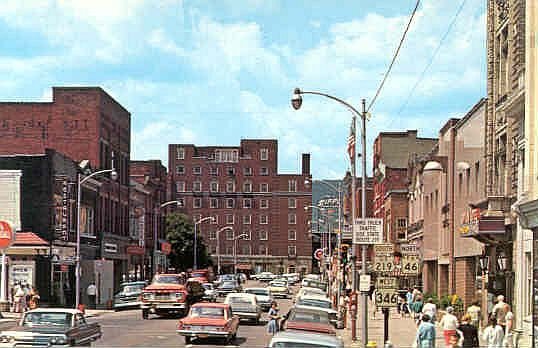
<point>170,294</point>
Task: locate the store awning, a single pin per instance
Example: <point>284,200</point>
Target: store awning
<point>244,266</point>
<point>28,243</point>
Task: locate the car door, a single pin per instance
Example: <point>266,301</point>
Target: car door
<point>83,331</point>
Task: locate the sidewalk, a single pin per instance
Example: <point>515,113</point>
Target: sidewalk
<point>402,331</point>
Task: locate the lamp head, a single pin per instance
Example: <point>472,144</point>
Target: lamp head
<point>296,99</point>
<point>114,175</point>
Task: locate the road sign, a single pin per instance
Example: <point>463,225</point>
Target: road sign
<point>368,231</point>
<point>6,235</point>
<point>318,254</point>
<point>386,283</point>
<point>386,298</point>
<point>384,258</point>
<point>410,259</point>
<point>364,282</point>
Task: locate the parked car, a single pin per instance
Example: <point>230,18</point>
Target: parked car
<point>311,283</point>
<point>51,327</point>
<point>223,277</point>
<point>294,339</point>
<point>202,275</point>
<point>312,276</point>
<point>210,292</point>
<point>318,302</point>
<point>309,291</point>
<point>292,278</point>
<point>129,295</point>
<point>266,276</point>
<point>245,306</point>
<point>228,286</point>
<point>279,289</point>
<point>308,320</point>
<point>263,296</point>
<point>209,320</point>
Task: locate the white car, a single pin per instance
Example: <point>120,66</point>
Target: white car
<point>263,296</point>
<point>245,306</point>
<point>319,302</point>
<point>308,292</point>
<point>266,277</point>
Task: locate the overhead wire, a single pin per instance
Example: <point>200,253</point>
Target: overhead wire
<point>393,57</point>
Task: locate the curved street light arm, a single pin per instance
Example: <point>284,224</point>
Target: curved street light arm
<point>351,108</point>
<point>95,174</point>
<point>204,219</point>
<point>169,203</point>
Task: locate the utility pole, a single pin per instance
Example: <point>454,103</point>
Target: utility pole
<point>364,295</point>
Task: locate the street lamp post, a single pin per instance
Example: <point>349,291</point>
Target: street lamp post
<point>235,249</point>
<point>296,102</point>
<point>80,181</point>
<point>195,264</point>
<point>155,230</point>
<point>218,245</point>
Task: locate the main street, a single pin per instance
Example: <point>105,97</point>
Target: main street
<point>127,328</point>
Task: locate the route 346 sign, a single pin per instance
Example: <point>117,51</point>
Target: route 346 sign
<point>386,294</point>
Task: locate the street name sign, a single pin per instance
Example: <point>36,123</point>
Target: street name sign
<point>368,231</point>
<point>384,258</point>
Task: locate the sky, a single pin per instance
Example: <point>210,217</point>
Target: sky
<point>214,72</point>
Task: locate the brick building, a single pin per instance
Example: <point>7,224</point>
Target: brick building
<point>84,124</point>
<point>241,188</point>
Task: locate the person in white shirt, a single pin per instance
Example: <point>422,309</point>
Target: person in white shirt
<point>91,291</point>
<point>493,334</point>
<point>499,311</point>
<point>430,309</point>
<point>449,324</point>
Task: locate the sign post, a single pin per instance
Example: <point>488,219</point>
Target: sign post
<point>6,238</point>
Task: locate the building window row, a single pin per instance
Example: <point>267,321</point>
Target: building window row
<point>228,203</point>
<point>245,250</point>
<point>230,234</point>
<point>224,155</point>
<point>214,171</point>
<point>230,186</point>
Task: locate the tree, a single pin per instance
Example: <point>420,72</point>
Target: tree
<point>180,234</point>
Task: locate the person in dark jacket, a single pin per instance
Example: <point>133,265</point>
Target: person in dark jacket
<point>470,332</point>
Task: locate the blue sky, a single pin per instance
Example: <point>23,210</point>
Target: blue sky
<point>213,72</point>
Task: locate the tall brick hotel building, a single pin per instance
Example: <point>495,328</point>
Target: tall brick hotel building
<point>240,187</point>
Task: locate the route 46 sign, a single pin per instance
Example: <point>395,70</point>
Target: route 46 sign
<point>410,259</point>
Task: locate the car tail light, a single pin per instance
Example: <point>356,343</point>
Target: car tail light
<point>180,325</point>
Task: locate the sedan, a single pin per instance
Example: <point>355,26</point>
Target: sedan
<point>209,320</point>
<point>263,296</point>
<point>294,339</point>
<point>227,287</point>
<point>308,320</point>
<point>244,306</point>
<point>129,295</point>
<point>278,289</point>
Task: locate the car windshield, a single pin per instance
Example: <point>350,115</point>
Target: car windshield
<point>260,292</point>
<point>131,288</point>
<point>168,279</point>
<point>282,285</point>
<point>228,284</point>
<point>239,300</point>
<point>310,317</point>
<point>226,277</point>
<point>314,303</point>
<point>207,312</point>
<point>47,319</point>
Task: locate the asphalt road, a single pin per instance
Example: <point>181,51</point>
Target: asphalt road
<point>128,329</point>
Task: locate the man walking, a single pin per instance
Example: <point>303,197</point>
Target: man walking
<point>91,291</point>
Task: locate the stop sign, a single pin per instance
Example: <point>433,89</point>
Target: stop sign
<point>318,254</point>
<point>6,235</point>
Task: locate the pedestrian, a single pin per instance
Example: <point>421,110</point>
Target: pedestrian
<point>426,333</point>
<point>18,298</point>
<point>499,311</point>
<point>508,333</point>
<point>409,298</point>
<point>416,293</point>
<point>474,312</point>
<point>34,298</point>
<point>416,308</point>
<point>430,309</point>
<point>272,326</point>
<point>469,332</point>
<point>449,324</point>
<point>91,291</point>
<point>493,334</point>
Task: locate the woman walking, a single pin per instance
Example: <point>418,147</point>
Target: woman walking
<point>493,334</point>
<point>469,331</point>
<point>272,327</point>
<point>426,333</point>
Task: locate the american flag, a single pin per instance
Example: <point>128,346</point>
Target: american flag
<point>351,141</point>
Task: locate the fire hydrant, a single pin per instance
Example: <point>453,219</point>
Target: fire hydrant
<point>371,344</point>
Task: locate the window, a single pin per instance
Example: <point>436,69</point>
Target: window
<point>228,156</point>
<point>264,204</point>
<point>229,234</point>
<point>197,170</point>
<point>401,228</point>
<point>247,171</point>
<point>264,187</point>
<point>264,220</point>
<point>291,250</point>
<point>214,171</point>
<point>229,219</point>
<point>292,235</point>
<point>262,249</point>
<point>264,171</point>
<point>180,153</point>
<point>212,235</point>
<point>180,169</point>
<point>214,186</point>
<point>230,202</point>
<point>229,250</point>
<point>230,171</point>
<point>197,203</point>
<point>292,203</point>
<point>180,186</point>
<point>215,220</point>
<point>247,186</point>
<point>264,154</point>
<point>292,185</point>
<point>248,233</point>
<point>214,203</point>
<point>245,250</point>
<point>247,219</point>
<point>247,203</point>
<point>197,186</point>
<point>262,234</point>
<point>292,219</point>
<point>230,186</point>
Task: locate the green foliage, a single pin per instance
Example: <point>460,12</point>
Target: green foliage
<point>180,234</point>
<point>431,295</point>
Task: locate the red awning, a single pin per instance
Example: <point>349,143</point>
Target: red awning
<point>29,239</point>
<point>244,266</point>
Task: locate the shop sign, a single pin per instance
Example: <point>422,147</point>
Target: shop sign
<point>135,250</point>
<point>368,231</point>
<point>111,248</point>
<point>22,273</point>
<point>166,248</point>
<point>61,202</point>
<point>6,235</point>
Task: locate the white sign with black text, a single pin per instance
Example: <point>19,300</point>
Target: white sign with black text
<point>368,231</point>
